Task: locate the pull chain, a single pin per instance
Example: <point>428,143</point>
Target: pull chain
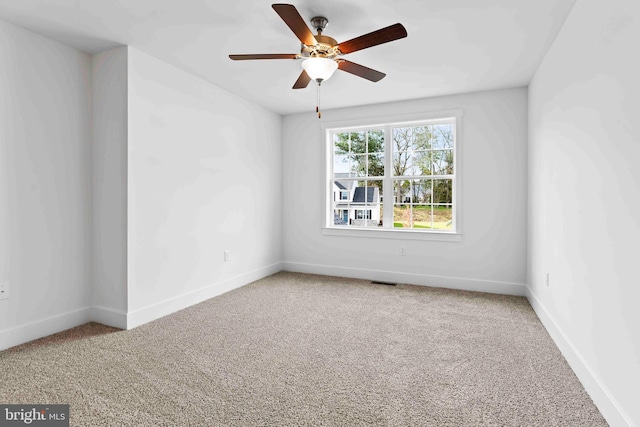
<point>318,101</point>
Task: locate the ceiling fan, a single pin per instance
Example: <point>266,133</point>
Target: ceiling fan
<point>322,54</point>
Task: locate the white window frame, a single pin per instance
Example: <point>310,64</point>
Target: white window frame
<point>328,227</point>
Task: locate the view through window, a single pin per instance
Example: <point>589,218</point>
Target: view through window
<point>394,176</point>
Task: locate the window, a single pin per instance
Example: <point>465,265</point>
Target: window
<point>409,165</point>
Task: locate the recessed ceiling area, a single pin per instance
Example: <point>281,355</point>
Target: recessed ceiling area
<point>452,46</point>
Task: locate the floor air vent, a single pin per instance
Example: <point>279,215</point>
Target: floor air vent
<point>377,282</point>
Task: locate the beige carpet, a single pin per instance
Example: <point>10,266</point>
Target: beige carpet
<point>296,349</point>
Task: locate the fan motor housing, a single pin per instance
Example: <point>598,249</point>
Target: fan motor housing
<point>326,48</point>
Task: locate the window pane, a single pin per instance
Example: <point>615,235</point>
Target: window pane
<point>402,216</point>
<point>442,136</point>
<point>422,216</point>
<point>421,137</point>
<point>375,164</point>
<point>421,161</point>
<point>407,164</point>
<point>341,165</point>
<point>366,208</point>
<point>401,191</point>
<point>341,143</point>
<point>375,141</point>
<point>402,140</point>
<point>341,201</point>
<point>367,194</point>
<point>358,145</point>
<point>422,191</point>
<point>411,138</point>
<point>443,217</point>
<point>402,164</point>
<point>442,191</point>
<point>442,162</point>
<point>340,216</point>
<point>378,184</point>
<point>358,165</point>
<point>341,194</point>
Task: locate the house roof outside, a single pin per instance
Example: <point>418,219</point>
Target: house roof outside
<point>371,195</point>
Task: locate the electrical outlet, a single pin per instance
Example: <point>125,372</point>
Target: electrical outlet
<point>547,279</point>
<point>4,290</point>
<point>227,255</point>
<point>403,252</point>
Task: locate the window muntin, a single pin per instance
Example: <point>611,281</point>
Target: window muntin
<point>412,164</point>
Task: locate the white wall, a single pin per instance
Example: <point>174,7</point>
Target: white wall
<point>109,186</point>
<point>122,182</point>
<point>204,177</point>
<point>45,222</point>
<point>584,181</point>
<point>491,256</point>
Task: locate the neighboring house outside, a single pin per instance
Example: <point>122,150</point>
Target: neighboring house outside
<point>357,206</point>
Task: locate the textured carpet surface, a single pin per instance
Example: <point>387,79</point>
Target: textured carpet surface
<point>295,349</point>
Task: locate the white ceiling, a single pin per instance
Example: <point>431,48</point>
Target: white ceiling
<point>453,46</point>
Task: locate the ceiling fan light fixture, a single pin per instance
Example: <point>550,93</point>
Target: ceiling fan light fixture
<point>320,69</point>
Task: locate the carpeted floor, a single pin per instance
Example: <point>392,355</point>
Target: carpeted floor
<point>295,349</point>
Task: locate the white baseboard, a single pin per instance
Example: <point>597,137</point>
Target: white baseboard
<point>601,396</point>
<point>109,317</point>
<point>54,324</point>
<point>179,302</point>
<point>494,287</point>
<point>44,327</point>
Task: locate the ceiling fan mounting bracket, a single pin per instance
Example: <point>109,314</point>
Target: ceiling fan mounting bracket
<point>319,23</point>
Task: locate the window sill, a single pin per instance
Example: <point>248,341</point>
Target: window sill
<point>441,236</point>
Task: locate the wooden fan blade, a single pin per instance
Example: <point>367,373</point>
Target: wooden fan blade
<point>292,18</point>
<point>384,35</point>
<point>360,70</point>
<point>302,81</point>
<point>264,56</point>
